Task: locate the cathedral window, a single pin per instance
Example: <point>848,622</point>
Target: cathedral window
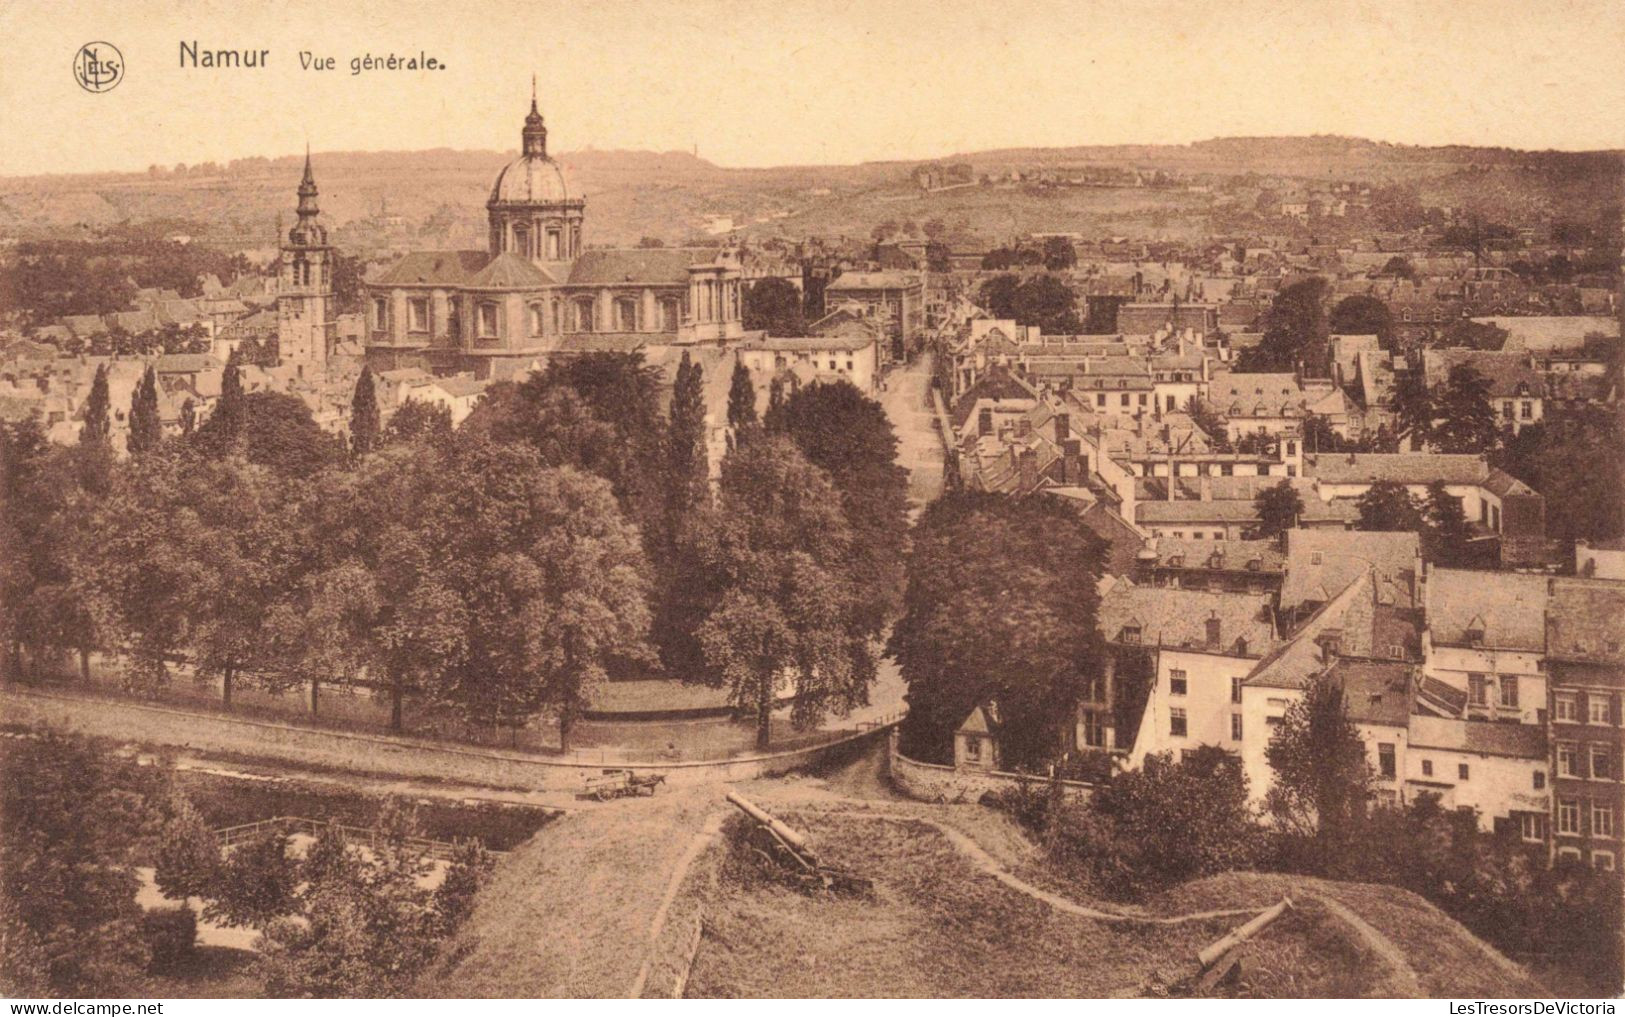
<point>537,318</point>
<point>626,314</point>
<point>417,314</point>
<point>552,245</point>
<point>380,314</point>
<point>558,315</point>
<point>583,314</point>
<point>487,321</point>
<point>669,314</point>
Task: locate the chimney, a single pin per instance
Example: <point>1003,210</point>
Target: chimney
<point>1024,427</point>
<point>1029,470</point>
<point>1072,461</point>
<point>1213,631</point>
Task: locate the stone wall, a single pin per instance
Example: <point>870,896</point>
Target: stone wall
<point>931,782</point>
<point>374,754</point>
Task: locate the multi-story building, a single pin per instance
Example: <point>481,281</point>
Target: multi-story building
<point>1585,662</point>
<point>896,298</point>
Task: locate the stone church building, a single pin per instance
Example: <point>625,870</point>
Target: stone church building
<point>536,290</point>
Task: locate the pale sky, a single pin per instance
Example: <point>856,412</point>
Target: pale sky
<point>809,81</point>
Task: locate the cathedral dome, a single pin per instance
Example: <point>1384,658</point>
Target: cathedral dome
<point>531,179</point>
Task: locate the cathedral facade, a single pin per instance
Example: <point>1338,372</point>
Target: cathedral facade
<point>537,289</point>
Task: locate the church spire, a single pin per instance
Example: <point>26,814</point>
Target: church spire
<point>307,190</point>
<point>533,140</point>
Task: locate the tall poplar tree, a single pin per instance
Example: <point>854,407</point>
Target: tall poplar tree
<point>365,425</point>
<point>98,419</point>
<point>146,430</point>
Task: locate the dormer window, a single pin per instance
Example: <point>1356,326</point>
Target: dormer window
<point>1475,637</point>
<point>1131,635</point>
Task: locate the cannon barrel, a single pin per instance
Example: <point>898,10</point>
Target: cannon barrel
<point>1209,955</point>
<point>755,812</point>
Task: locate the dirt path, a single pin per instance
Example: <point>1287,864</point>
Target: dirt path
<point>919,449</point>
<point>701,840</point>
<point>1409,985</point>
<point>980,858</point>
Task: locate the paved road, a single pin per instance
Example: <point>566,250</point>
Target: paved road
<point>919,449</point>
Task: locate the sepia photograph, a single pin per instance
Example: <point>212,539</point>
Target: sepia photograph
<point>863,499</point>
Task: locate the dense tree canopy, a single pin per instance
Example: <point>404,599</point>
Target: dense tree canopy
<point>1000,606</point>
<point>1042,300</point>
<point>773,305</point>
<point>1295,331</point>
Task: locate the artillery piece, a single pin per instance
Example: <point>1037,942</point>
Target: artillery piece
<point>785,853</point>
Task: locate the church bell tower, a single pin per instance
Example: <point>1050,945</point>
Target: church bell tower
<point>304,301</point>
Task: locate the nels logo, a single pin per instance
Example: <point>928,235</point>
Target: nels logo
<point>98,66</point>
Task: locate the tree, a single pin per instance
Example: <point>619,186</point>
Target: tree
<point>188,417</point>
<point>848,435</point>
<point>187,860</point>
<point>146,430</point>
<point>1388,506</point>
<point>1446,534</point>
<point>256,884</point>
<point>1322,780</point>
<point>1059,254</point>
<point>741,399</point>
<point>1414,410</point>
<point>773,305</point>
<point>1278,510</point>
<point>1562,457</point>
<point>552,585</point>
<point>227,417</point>
<point>419,421</point>
<point>364,422</point>
<point>98,421</point>
<point>976,627</point>
<point>688,492</point>
<point>1476,335</point>
<point>1161,824</point>
<point>1363,315</point>
<point>1467,420</point>
<point>271,429</point>
<point>784,612</point>
<point>1294,332</point>
<point>1041,300</point>
<point>72,815</point>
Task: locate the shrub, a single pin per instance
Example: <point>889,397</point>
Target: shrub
<point>171,937</point>
<point>1028,802</point>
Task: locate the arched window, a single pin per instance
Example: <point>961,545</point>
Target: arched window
<point>553,245</point>
<point>626,314</point>
<point>583,314</point>
<point>558,315</point>
<point>521,239</point>
<point>537,319</point>
<point>670,314</point>
<point>487,321</point>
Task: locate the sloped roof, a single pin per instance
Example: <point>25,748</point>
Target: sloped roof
<point>1396,467</point>
<point>1292,663</point>
<point>1478,737</point>
<point>1508,607</point>
<point>508,271</point>
<point>874,281</point>
<point>1376,691</point>
<point>644,266</point>
<point>1585,621</point>
<point>186,363</point>
<point>1231,554</point>
<point>433,268</point>
<point>1551,332</point>
<point>1178,618</point>
<point>1509,373</point>
<point>1319,563</point>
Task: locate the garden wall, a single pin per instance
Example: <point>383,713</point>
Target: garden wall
<point>372,754</point>
<point>931,782</point>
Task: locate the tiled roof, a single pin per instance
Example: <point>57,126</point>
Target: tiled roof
<point>508,271</point>
<point>602,342</point>
<point>1292,663</point>
<point>186,363</point>
<point>1509,373</point>
<point>806,344</point>
<point>1551,332</point>
<point>874,281</point>
<point>1230,554</point>
<point>433,268</point>
<point>1442,696</point>
<point>1585,621</point>
<point>1478,737</point>
<point>1396,467</point>
<point>1375,691</point>
<point>1178,618</point>
<point>643,266</point>
<point>1509,608</point>
<point>460,386</point>
<point>1320,563</point>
